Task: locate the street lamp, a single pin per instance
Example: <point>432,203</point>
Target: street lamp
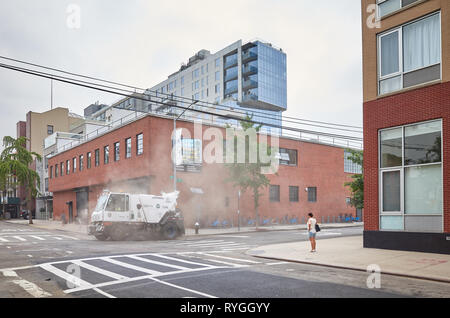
<point>176,145</point>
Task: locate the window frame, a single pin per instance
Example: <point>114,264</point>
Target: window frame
<point>89,160</point>
<point>106,154</point>
<point>271,198</point>
<point>139,150</point>
<point>401,72</point>
<point>297,196</point>
<point>402,7</point>
<point>97,157</point>
<point>117,151</point>
<point>402,170</point>
<point>128,148</point>
<point>312,198</point>
<point>81,163</point>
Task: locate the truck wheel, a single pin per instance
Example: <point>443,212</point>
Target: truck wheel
<point>169,231</point>
<point>101,237</point>
<point>118,234</point>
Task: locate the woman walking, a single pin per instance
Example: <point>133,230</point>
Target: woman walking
<point>311,226</point>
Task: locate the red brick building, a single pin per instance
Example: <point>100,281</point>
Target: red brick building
<point>406,64</point>
<point>143,164</point>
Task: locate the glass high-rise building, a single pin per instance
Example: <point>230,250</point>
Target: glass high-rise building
<point>249,78</point>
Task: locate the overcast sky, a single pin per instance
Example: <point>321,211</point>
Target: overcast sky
<point>141,42</point>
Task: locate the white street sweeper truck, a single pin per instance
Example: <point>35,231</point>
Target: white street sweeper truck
<point>122,216</point>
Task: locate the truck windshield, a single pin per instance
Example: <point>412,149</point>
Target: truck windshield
<point>117,203</point>
<point>101,202</point>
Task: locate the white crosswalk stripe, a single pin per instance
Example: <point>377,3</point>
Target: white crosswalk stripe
<point>215,244</point>
<point>27,236</point>
<point>119,269</point>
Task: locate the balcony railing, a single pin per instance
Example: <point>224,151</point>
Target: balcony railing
<point>250,97</point>
<point>231,75</point>
<point>249,84</point>
<point>248,70</point>
<point>231,62</point>
<point>248,56</point>
<point>232,89</point>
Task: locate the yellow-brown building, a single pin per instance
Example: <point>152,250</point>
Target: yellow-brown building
<point>36,128</point>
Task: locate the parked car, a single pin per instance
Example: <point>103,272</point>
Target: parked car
<point>24,214</point>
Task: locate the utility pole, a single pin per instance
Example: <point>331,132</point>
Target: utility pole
<point>176,145</point>
<point>239,212</point>
<point>51,94</point>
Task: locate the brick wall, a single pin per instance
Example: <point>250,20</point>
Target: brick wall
<point>422,104</point>
<point>319,166</point>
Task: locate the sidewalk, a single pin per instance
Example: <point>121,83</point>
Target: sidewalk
<point>82,228</point>
<point>348,253</point>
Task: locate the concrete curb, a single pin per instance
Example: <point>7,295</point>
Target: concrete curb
<point>393,273</point>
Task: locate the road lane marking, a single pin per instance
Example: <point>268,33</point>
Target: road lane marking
<point>225,263</point>
<point>200,242</point>
<point>3,239</point>
<point>99,270</point>
<point>66,276</point>
<point>29,287</point>
<point>19,238</point>
<point>180,260</point>
<point>134,279</point>
<point>37,237</point>
<point>231,258</point>
<point>32,289</point>
<point>182,288</point>
<point>277,263</point>
<point>156,262</point>
<point>130,266</point>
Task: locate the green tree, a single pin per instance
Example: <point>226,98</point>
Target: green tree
<point>15,161</point>
<point>357,185</point>
<point>247,176</point>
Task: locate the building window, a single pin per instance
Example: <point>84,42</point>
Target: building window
<point>117,151</point>
<point>274,193</point>
<point>89,160</point>
<point>50,130</point>
<point>217,62</point>
<point>67,167</point>
<point>293,194</point>
<point>349,165</point>
<point>312,194</point>
<point>411,178</point>
<point>81,162</point>
<point>51,172</point>
<point>128,148</point>
<point>56,171</point>
<point>62,168</point>
<point>410,55</point>
<point>385,7</point>
<point>217,76</point>
<point>139,144</point>
<point>97,157</point>
<point>182,80</point>
<point>46,184</point>
<point>288,157</point>
<point>106,154</point>
<point>74,168</point>
<point>217,88</point>
<point>188,155</point>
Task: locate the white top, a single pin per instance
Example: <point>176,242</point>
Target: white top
<point>313,222</point>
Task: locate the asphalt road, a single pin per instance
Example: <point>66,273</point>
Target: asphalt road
<point>47,263</point>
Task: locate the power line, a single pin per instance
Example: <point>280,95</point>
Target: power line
<point>133,95</point>
<point>261,114</point>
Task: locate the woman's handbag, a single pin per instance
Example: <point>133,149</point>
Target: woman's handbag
<point>318,229</point>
